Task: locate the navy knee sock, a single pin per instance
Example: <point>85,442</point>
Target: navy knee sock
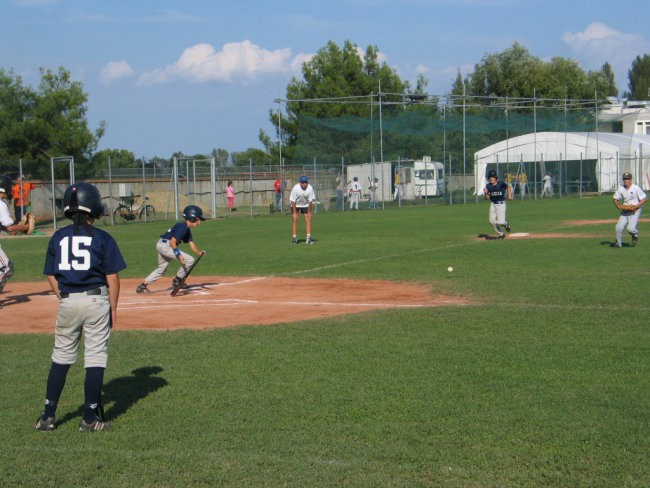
<point>55,384</point>
<point>92,389</point>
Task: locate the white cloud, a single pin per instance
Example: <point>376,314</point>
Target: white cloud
<point>236,60</point>
<point>115,70</point>
<point>297,62</point>
<point>598,36</point>
<point>422,69</point>
<point>599,43</point>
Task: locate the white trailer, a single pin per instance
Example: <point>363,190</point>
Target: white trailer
<point>414,179</point>
<point>428,178</point>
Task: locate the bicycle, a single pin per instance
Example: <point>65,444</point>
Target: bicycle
<point>126,211</point>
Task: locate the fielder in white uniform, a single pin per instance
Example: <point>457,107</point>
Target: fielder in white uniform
<point>631,194</point>
<point>548,186</point>
<point>301,200</point>
<point>354,190</point>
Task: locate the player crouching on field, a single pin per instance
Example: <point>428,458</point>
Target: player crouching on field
<point>301,199</point>
<point>82,265</point>
<point>167,248</point>
<point>8,225</point>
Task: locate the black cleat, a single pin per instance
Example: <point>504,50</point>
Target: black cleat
<point>45,424</point>
<point>508,229</point>
<point>93,426</point>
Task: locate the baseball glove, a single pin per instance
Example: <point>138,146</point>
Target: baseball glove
<point>628,208</point>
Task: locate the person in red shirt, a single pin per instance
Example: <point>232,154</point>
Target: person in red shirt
<point>278,194</point>
<point>20,194</point>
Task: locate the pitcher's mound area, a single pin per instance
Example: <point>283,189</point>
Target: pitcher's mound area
<point>216,301</point>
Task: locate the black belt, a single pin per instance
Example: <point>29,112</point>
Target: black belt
<point>498,203</point>
<point>94,291</point>
<point>164,241</point>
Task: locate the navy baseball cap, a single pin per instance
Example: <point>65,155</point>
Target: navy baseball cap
<point>303,179</point>
<point>627,176</point>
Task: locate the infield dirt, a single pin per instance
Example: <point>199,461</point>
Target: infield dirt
<point>224,301</point>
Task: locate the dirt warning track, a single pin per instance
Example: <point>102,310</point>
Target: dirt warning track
<point>224,301</point>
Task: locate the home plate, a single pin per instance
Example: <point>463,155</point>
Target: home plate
<point>520,234</point>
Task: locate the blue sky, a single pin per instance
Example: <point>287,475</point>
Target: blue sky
<point>196,75</point>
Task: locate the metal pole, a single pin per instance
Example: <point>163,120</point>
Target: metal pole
<point>213,187</point>
<point>250,181</point>
<point>280,130</point>
<point>381,147</point>
<point>315,204</point>
<point>281,185</point>
<point>344,184</point>
<point>187,177</point>
<point>599,166</point>
<point>144,192</point>
<point>175,177</point>
<point>464,151</point>
<point>53,192</point>
<point>110,190</point>
<point>194,179</point>
<point>449,189</point>
<point>21,188</point>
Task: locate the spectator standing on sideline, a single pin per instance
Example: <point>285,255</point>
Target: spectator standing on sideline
<point>301,201</point>
<point>230,195</point>
<point>20,194</point>
<point>277,186</point>
<point>522,179</point>
<point>374,185</point>
<point>354,190</point>
<point>548,185</point>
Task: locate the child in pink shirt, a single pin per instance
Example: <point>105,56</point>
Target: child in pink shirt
<point>230,195</point>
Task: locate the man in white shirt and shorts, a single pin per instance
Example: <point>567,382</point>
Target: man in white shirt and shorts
<point>301,199</point>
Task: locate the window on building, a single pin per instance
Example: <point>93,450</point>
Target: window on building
<point>642,127</point>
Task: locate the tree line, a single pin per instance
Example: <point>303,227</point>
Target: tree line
<point>50,120</point>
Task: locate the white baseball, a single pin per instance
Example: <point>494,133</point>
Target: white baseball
<point>450,269</point>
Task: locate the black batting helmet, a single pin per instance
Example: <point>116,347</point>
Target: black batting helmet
<point>193,213</point>
<point>5,184</point>
<point>82,197</point>
<point>492,174</point>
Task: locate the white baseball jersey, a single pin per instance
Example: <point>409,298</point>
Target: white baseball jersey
<point>355,187</point>
<point>5,216</point>
<point>301,197</point>
<point>631,196</point>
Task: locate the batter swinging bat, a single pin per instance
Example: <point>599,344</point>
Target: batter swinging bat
<point>187,273</point>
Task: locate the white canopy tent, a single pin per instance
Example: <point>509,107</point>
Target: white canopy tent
<point>613,154</point>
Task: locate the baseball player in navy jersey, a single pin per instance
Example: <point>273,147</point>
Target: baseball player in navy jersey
<point>168,250</point>
<point>82,265</point>
<point>633,198</point>
<point>301,200</point>
<point>7,224</point>
<point>496,191</point>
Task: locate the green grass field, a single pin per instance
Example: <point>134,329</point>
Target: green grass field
<point>544,381</point>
